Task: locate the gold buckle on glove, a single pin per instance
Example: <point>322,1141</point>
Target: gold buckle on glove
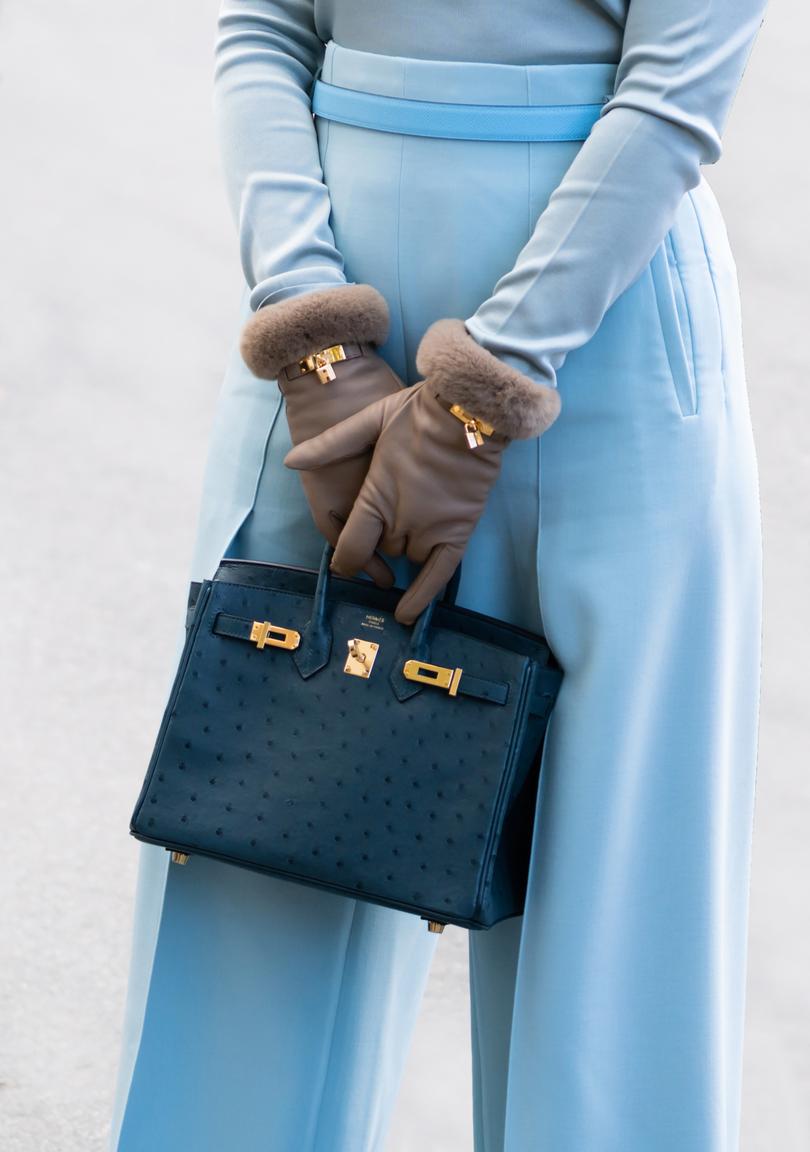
<point>475,429</point>
<point>321,362</point>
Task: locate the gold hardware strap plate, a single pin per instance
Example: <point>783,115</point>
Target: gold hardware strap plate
<point>263,633</point>
<point>434,674</point>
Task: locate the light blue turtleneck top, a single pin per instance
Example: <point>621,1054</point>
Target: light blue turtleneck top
<point>679,66</point>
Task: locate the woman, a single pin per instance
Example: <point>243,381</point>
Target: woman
<point>553,259</point>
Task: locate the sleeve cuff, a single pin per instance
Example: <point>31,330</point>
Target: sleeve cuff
<point>512,359</point>
<point>296,282</point>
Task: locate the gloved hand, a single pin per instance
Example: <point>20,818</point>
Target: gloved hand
<point>301,342</point>
<point>438,447</point>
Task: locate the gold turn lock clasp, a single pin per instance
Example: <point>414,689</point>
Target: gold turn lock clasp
<point>434,674</point>
<point>474,429</point>
<point>264,633</point>
<point>361,657</point>
<point>321,362</point>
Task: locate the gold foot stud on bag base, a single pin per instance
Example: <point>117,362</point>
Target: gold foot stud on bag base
<point>432,925</point>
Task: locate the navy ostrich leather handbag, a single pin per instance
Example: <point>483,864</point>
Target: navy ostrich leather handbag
<point>311,736</point>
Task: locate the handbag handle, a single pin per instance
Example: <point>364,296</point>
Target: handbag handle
<point>316,638</point>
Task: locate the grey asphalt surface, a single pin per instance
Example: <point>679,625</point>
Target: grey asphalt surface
<point>119,285</point>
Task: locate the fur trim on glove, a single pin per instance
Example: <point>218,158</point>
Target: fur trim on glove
<point>283,333</point>
<point>468,374</point>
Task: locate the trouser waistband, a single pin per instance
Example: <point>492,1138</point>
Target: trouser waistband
<point>461,99</point>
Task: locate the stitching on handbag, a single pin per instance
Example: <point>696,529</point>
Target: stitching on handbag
<point>507,776</point>
<point>179,679</point>
<point>514,629</point>
<point>285,873</point>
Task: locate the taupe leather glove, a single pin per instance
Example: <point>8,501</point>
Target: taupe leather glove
<point>320,347</point>
<point>438,447</point>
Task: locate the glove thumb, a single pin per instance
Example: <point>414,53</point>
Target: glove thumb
<point>435,573</point>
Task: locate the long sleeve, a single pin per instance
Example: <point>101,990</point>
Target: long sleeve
<point>266,56</point>
<point>681,64</point>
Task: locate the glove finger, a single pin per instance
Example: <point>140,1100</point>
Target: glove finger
<point>349,437</point>
<point>434,574</point>
<point>376,567</point>
<point>358,540</point>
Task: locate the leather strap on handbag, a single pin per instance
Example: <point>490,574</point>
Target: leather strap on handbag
<point>543,698</point>
<point>278,635</point>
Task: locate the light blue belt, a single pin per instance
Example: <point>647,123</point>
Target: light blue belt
<point>453,121</point>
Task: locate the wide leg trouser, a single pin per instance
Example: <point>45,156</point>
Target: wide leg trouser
<point>267,1017</point>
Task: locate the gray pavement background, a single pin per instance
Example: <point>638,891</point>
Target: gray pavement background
<point>119,284</point>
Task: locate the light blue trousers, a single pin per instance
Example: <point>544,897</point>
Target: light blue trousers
<point>267,1017</point>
